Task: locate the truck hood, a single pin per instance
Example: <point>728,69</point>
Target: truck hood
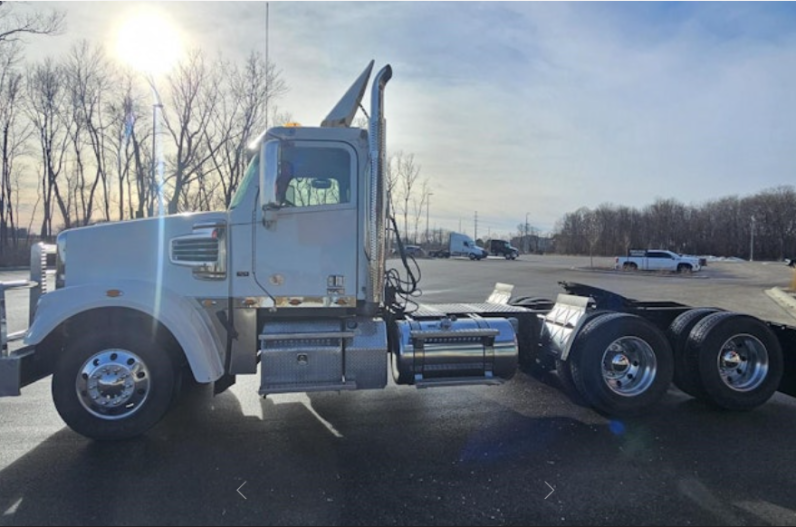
<point>135,249</point>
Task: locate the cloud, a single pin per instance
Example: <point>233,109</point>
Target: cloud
<point>536,107</point>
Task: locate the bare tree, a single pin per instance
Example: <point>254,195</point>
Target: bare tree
<point>14,25</point>
<point>406,174</point>
<point>193,100</point>
<point>15,133</point>
<point>46,102</point>
<point>88,77</point>
<point>16,22</point>
<point>419,201</point>
<point>240,116</point>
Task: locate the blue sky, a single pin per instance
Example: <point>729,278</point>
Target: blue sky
<point>538,108</point>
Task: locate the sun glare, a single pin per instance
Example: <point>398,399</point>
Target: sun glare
<point>148,43</point>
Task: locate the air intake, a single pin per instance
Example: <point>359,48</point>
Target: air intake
<point>204,251</point>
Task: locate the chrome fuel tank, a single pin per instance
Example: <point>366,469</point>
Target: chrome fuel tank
<point>471,350</point>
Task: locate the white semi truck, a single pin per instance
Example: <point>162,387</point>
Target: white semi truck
<point>460,245</point>
<point>291,282</point>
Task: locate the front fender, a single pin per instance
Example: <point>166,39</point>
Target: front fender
<point>186,321</point>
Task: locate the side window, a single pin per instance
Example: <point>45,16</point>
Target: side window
<point>314,176</point>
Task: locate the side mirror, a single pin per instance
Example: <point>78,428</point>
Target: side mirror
<point>269,170</point>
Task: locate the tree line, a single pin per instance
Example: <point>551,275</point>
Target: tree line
<point>761,226</point>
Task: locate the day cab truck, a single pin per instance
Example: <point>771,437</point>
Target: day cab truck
<point>657,260</point>
<point>502,248</point>
<point>460,245</point>
<point>291,283</point>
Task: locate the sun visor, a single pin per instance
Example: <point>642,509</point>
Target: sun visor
<point>343,113</point>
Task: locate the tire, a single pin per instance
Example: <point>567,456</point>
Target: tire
<point>629,266</point>
<point>563,369</point>
<point>684,269</point>
<point>686,368</point>
<point>142,370</point>
<point>472,256</point>
<point>621,364</point>
<point>739,359</point>
<point>568,383</point>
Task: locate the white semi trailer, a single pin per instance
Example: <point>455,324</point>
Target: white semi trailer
<point>291,282</point>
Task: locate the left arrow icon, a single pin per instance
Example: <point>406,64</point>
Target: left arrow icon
<point>239,492</point>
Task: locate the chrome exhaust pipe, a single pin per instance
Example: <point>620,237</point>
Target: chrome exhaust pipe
<point>378,198</point>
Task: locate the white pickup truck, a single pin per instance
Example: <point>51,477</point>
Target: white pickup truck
<point>657,260</point>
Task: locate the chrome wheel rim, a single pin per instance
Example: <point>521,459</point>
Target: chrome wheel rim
<point>743,362</point>
<point>629,366</point>
<point>113,384</point>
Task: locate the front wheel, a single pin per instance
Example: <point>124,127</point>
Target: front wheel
<point>110,386</point>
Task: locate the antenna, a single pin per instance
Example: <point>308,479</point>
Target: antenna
<point>267,80</point>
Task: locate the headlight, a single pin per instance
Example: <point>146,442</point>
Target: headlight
<point>60,261</point>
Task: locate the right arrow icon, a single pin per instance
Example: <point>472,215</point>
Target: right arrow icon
<point>552,490</point>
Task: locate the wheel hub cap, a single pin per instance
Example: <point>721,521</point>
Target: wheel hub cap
<point>629,366</point>
<point>743,362</point>
<point>113,384</point>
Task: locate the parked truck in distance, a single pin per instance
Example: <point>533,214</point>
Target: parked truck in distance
<point>459,245</point>
<point>657,260</point>
<point>502,248</point>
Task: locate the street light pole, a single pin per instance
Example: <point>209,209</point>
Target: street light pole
<point>526,241</point>
<point>157,153</point>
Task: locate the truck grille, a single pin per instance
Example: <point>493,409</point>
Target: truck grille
<point>200,251</point>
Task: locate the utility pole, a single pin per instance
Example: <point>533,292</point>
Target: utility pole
<point>428,205</point>
<point>475,235</point>
<point>752,242</point>
<point>526,240</point>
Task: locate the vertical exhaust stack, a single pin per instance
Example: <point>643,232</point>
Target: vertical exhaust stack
<point>378,199</point>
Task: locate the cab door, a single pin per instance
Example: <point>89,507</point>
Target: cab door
<point>306,240</point>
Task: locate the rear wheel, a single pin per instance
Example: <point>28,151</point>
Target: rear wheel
<point>629,266</point>
<point>739,359</point>
<point>563,368</point>
<point>113,386</point>
<point>686,368</point>
<point>567,382</point>
<point>621,364</point>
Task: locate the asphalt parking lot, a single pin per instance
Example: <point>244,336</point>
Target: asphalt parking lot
<point>517,454</point>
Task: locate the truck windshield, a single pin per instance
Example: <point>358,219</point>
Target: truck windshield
<point>248,177</point>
